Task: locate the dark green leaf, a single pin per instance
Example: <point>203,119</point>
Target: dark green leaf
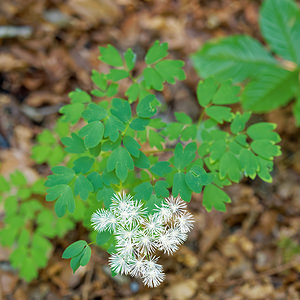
<point>142,161</point>
<point>92,133</point>
<point>94,112</point>
<point>196,177</point>
<point>161,188</point>
<point>139,124</point>
<point>83,164</point>
<point>121,109</point>
<point>181,188</point>
<point>112,127</point>
<point>83,187</point>
<point>62,175</point>
<point>74,144</point>
<point>229,166</point>
<point>74,249</point>
<point>182,157</point>
<point>96,180</point>
<point>103,237</point>
<point>132,146</point>
<point>161,168</point>
<point>72,112</point>
<point>143,191</point>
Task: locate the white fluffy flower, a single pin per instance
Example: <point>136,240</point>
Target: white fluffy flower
<point>138,234</point>
<point>177,205</point>
<point>185,222</point>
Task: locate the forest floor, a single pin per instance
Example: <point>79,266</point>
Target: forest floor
<point>250,252</point>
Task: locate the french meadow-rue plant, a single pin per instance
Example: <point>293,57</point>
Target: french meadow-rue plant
<point>111,144</point>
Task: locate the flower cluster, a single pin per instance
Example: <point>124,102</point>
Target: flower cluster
<point>139,235</point>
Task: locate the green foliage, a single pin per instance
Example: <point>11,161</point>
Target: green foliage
<point>271,82</point>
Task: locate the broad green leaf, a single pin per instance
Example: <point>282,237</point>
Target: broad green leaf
<point>249,163</point>
<point>229,166</point>
<point>215,197</point>
<point>132,146</point>
<point>161,168</point>
<point>155,139</point>
<point>236,57</point>
<point>72,112</point>
<point>143,191</point>
<point>79,96</point>
<point>170,69</point>
<point>103,237</point>
<point>219,113</point>
<point>112,128</point>
<point>265,167</point>
<point>196,177</point>
<point>86,256</point>
<point>227,94</point>
<point>121,109</point>
<point>181,188</point>
<point>64,198</point>
<point>156,52</point>
<point>83,164</point>
<point>133,92</point>
<point>273,88</point>
<point>74,249</point>
<point>183,157</point>
<point>94,112</point>
<point>147,107</point>
<point>130,58</point>
<point>111,56</point>
<point>75,262</point>
<point>153,79</point>
<point>139,124</point>
<point>161,189</point>
<point>239,122</point>
<point>99,79</point>
<point>263,131</point>
<point>116,75</point>
<point>83,187</point>
<point>92,133</point>
<point>265,148</point>
<point>95,151</point>
<point>74,144</point>
<point>62,175</point>
<point>120,161</point>
<point>280,26</point>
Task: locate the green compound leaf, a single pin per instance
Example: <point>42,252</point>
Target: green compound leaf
<point>130,58</point>
<point>265,167</point>
<point>183,157</point>
<point>143,191</point>
<point>280,25</point>
<point>95,180</point>
<point>196,177</point>
<point>173,130</point>
<point>189,132</point>
<point>161,189</point>
<point>111,56</point>
<point>86,256</point>
<point>103,237</point>
<point>219,113</point>
<point>92,133</point>
<point>64,198</point>
<point>229,166</point>
<point>215,197</point>
<point>132,146</point>
<point>74,144</point>
<point>170,69</point>
<point>249,163</point>
<point>262,131</point>
<point>83,164</point>
<point>139,124</point>
<point>226,94</point>
<point>273,88</point>
<point>265,148</point>
<point>112,128</point>
<point>116,75</point>
<point>183,118</point>
<point>83,187</point>
<point>237,57</point>
<point>79,96</point>
<point>99,79</point>
<point>147,107</point>
<point>121,161</point>
<point>74,249</point>
<point>142,161</point>
<point>17,178</point>
<point>156,52</point>
<point>62,175</point>
<point>161,168</point>
<point>133,92</point>
<point>153,79</point>
<point>72,112</point>
<point>121,109</point>
<point>206,90</point>
<point>239,122</point>
<point>181,188</point>
<point>94,112</point>
<point>155,139</point>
